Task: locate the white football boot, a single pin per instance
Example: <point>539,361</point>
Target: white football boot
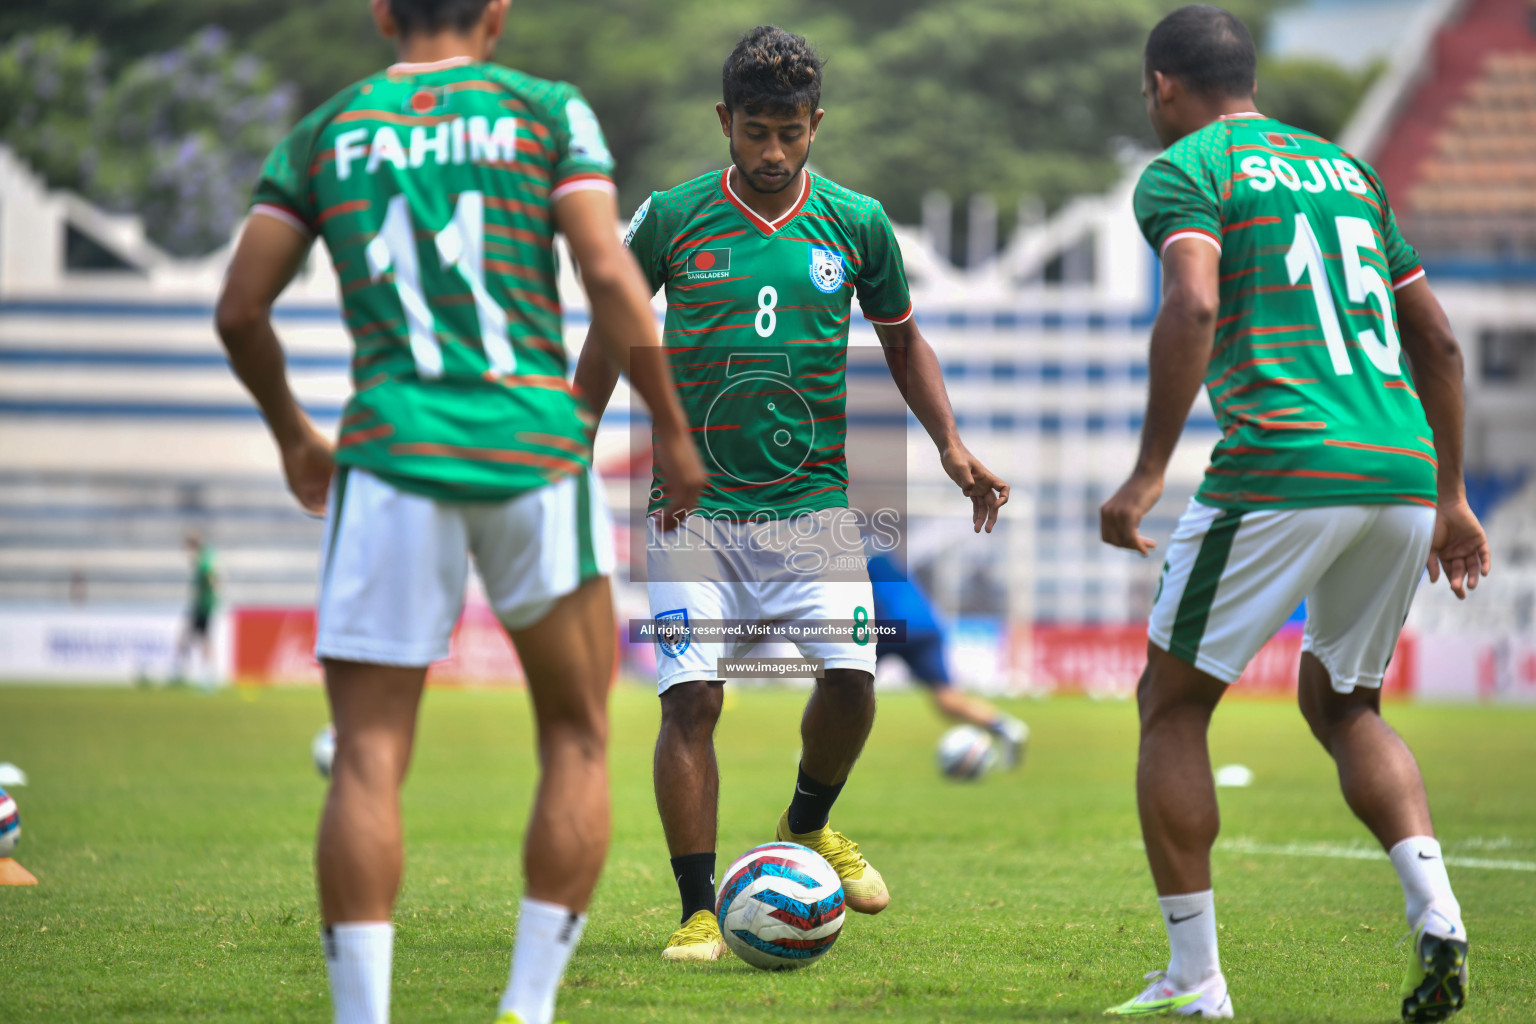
<point>1208,1000</point>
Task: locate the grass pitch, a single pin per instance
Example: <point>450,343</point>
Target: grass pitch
<point>171,836</point>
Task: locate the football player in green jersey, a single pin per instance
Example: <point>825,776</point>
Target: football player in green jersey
<point>761,262</point>
<point>1289,293</point>
<point>438,186</point>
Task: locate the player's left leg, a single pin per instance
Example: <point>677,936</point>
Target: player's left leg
<point>924,654</point>
<point>813,571</point>
<point>359,852</point>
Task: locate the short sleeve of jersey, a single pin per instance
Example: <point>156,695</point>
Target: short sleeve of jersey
<point>582,159</point>
<point>1402,260</point>
<point>643,239</point>
<point>1170,205</point>
<point>283,188</point>
<point>881,283</point>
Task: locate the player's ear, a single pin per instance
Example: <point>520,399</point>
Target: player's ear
<point>494,21</point>
<point>725,118</point>
<point>1165,87</point>
<point>384,18</point>
<point>815,122</point>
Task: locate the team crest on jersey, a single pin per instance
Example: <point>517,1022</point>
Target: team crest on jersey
<point>827,272</point>
<point>707,264</point>
<point>672,632</point>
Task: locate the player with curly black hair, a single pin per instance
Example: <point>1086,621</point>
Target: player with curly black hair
<point>761,263</point>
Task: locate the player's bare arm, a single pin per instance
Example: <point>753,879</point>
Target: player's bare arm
<point>1181,349</point>
<point>596,374</point>
<point>915,368</point>
<point>622,323</point>
<point>1459,548</point>
<point>266,258</point>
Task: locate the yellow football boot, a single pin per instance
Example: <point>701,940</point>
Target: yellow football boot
<point>864,890</point>
<point>698,940</point>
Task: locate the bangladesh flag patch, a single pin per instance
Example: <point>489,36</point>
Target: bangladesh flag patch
<point>709,263</point>
<point>1281,141</point>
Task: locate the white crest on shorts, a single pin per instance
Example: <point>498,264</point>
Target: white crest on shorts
<point>827,272</point>
<point>672,632</point>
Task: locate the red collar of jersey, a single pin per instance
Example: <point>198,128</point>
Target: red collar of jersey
<point>756,219</point>
<point>424,67</point>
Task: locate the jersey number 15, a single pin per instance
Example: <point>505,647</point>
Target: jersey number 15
<point>1362,282</point>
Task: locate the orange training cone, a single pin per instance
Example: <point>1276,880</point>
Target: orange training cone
<point>12,873</point>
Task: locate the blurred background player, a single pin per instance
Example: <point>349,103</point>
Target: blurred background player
<point>438,186</point>
<point>761,262</point>
<point>1289,292</point>
<point>205,599</point>
<point>898,598</point>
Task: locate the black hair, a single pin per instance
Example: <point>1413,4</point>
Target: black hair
<point>1206,48</point>
<point>772,71</point>
<point>415,17</point>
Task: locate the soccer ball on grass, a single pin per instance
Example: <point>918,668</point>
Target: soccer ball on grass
<point>780,906</point>
<point>966,752</point>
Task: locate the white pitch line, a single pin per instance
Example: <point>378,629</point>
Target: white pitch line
<point>1338,852</point>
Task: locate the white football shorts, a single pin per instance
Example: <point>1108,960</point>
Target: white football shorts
<point>394,564</point>
<point>1233,578</point>
<point>809,567</point>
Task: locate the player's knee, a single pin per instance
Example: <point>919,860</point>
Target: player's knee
<point>372,760</point>
<point>847,686</point>
<point>692,708</point>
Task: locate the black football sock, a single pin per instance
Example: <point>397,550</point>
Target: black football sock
<point>695,874</point>
<point>812,804</point>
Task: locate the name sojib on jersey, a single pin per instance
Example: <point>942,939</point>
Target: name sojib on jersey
<point>434,187</point>
<point>1307,376</point>
<point>757,332</point>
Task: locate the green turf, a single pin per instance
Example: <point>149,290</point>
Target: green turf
<point>171,835</point>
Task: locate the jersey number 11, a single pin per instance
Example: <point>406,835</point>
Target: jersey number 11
<point>461,246</point>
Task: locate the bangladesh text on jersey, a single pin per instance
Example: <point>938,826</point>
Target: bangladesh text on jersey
<point>757,332</point>
<point>1307,375</point>
<point>433,186</point>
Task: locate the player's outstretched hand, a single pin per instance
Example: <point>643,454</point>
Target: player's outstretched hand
<point>1120,517</point>
<point>677,458</point>
<point>308,463</point>
<point>987,491</point>
<point>1460,548</point>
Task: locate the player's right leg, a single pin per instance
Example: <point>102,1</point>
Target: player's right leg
<point>687,574</point>
<point>392,583</point>
<point>545,558</point>
<point>1355,615</point>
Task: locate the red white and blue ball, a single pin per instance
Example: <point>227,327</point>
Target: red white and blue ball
<point>780,906</point>
<point>10,824</point>
<point>966,752</point>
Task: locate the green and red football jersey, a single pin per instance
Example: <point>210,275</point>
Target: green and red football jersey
<point>433,186</point>
<point>757,331</point>
<point>1307,376</point>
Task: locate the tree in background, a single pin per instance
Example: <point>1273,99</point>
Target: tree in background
<point>177,137</point>
<point>1013,98</point>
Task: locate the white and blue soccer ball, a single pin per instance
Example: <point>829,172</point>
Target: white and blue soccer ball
<point>10,824</point>
<point>966,752</point>
<point>780,906</point>
<point>323,750</point>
